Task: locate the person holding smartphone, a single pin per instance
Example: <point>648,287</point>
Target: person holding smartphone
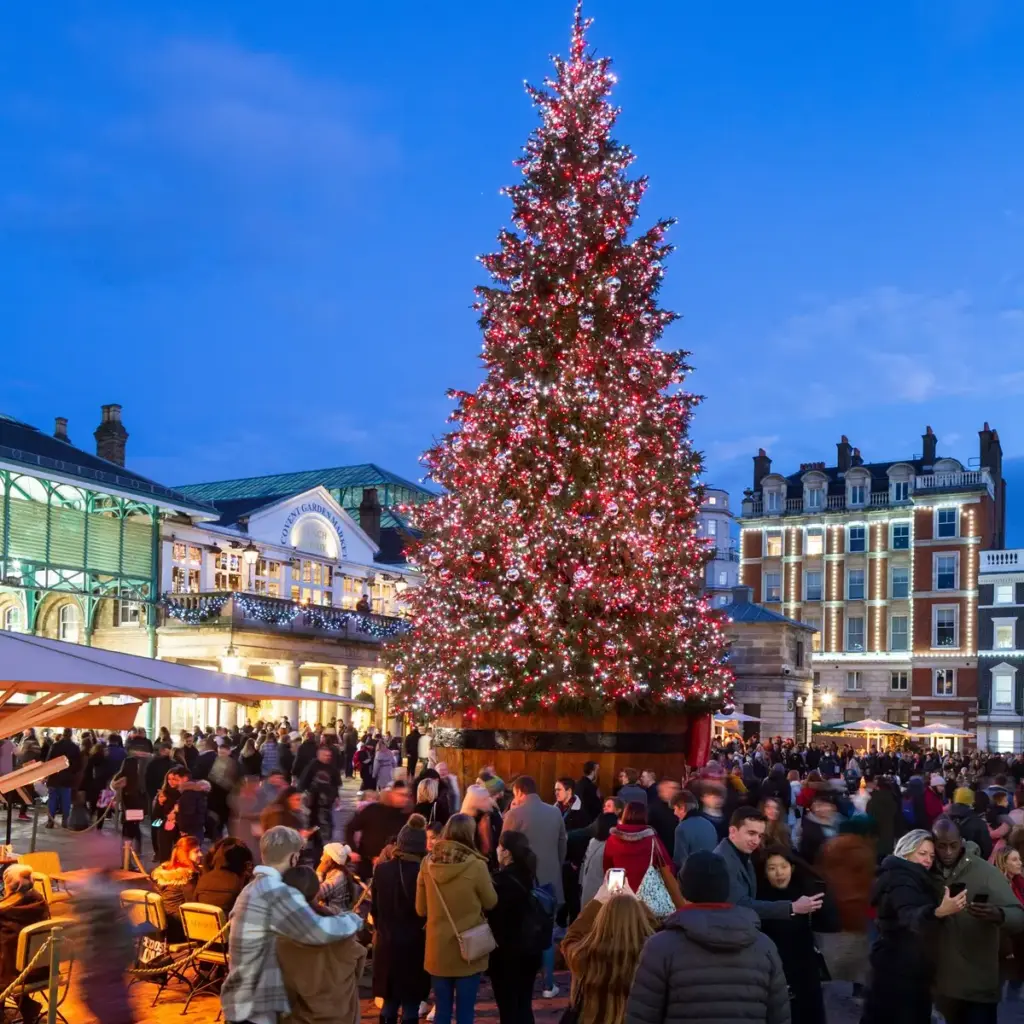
<point>967,982</point>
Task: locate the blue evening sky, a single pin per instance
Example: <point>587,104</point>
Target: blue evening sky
<point>254,224</point>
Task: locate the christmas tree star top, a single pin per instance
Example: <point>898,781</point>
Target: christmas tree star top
<point>562,566</point>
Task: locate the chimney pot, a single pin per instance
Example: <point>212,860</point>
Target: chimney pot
<point>844,454</point>
<point>111,436</point>
<point>60,428</point>
<point>369,514</point>
<point>762,467</point>
<point>929,446</point>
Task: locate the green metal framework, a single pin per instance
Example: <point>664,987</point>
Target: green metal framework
<point>92,546</point>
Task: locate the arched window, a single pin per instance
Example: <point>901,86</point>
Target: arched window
<point>12,618</point>
<point>69,623</point>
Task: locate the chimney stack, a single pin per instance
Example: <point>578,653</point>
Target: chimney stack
<point>110,435</point>
<point>856,460</point>
<point>762,467</point>
<point>991,452</point>
<point>844,454</point>
<point>369,514</point>
<point>929,443</point>
<point>60,429</point>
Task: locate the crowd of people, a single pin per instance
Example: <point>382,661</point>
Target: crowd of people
<point>737,891</point>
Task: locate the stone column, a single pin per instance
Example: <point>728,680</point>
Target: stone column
<point>343,688</point>
<point>287,673</point>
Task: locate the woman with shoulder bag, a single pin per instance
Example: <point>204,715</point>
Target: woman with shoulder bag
<point>453,890</point>
<point>635,847</point>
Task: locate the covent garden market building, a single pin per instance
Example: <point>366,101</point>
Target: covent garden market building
<point>295,578</point>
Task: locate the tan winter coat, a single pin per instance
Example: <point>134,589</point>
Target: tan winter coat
<point>465,885</point>
<point>322,981</point>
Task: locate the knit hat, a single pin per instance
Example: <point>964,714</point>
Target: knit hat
<point>477,798</point>
<point>705,878</point>
<point>494,785</point>
<point>936,780</point>
<point>964,796</point>
<point>338,852</point>
<point>412,838</point>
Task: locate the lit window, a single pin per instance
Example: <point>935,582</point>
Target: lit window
<point>857,540</point>
<point>901,536</point>
<point>813,584</point>
<point>901,490</point>
<point>900,582</point>
<point>1002,689</point>
<point>858,494</point>
<point>815,498</point>
<point>712,500</point>
<point>12,619</point>
<point>317,580</point>
<point>898,633</point>
<point>855,585</point>
<point>268,577</point>
<point>1004,741</point>
<point>899,681</point>
<point>723,579</point>
<point>815,543</point>
<point>945,627</point>
<point>945,522</point>
<point>69,621</point>
<point>1005,640</point>
<point>772,586</point>
<point>227,574</point>
<point>853,682</point>
<point>898,716</point>
<point>945,572</point>
<point>187,563</point>
<point>774,545</point>
<point>1004,593</point>
<point>855,633</point>
<point>815,637</point>
<point>945,682</point>
<point>711,528</point>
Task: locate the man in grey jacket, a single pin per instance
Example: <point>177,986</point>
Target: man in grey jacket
<point>746,832</point>
<point>710,961</point>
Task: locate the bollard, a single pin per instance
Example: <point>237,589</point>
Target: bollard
<point>51,995</point>
<point>35,825</point>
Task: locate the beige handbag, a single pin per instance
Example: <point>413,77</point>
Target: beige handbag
<point>475,942</point>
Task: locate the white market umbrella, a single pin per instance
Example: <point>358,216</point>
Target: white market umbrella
<point>872,725</point>
<point>937,730</point>
<point>66,678</point>
<point>736,717</point>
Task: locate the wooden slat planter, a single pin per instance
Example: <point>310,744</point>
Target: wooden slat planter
<point>548,745</point>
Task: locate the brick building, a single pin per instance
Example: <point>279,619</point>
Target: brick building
<point>882,559</point>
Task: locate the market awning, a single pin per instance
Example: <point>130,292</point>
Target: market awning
<point>872,725</point>
<point>938,730</point>
<point>723,718</point>
<point>65,680</point>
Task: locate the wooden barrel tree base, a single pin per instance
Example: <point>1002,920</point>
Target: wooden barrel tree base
<point>550,745</point>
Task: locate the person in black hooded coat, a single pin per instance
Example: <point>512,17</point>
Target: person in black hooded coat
<point>780,876</point>
<point>909,901</point>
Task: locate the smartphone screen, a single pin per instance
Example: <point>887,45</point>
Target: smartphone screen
<point>956,888</point>
<point>616,879</point>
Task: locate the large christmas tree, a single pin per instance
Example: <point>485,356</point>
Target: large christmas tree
<point>561,566</point>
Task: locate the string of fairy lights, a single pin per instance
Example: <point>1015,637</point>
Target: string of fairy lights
<point>561,565</point>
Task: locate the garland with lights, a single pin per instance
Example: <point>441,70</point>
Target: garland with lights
<point>562,567</point>
<point>194,610</point>
<point>272,610</point>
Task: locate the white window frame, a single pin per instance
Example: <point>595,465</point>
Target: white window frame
<point>863,633</point>
<point>821,585</point>
<point>1009,623</point>
<point>773,500</point>
<point>818,534</point>
<point>854,676</point>
<point>711,527</point>
<point>265,579</point>
<point>892,535</point>
<point>849,531</point>
<point>130,612</point>
<point>12,621</point>
<point>723,579</point>
<point>892,582</point>
<point>935,682</point>
<point>899,675</point>
<point>1008,673</point>
<point>767,585</point>
<point>898,486</point>
<point>815,623</point>
<point>226,566</point>
<point>956,522</point>
<point>857,494</point>
<point>863,585</point>
<point>955,609</point>
<point>69,623</point>
<point>771,535</point>
<point>307,588</point>
<point>1003,586</point>
<point>955,555</point>
<point>814,499</point>
<point>906,634</point>
<point>187,560</point>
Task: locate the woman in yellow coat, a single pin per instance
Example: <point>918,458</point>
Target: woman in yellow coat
<point>454,883</point>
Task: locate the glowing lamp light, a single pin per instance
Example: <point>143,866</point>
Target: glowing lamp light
<point>250,553</point>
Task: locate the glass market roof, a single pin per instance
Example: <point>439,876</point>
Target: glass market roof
<point>281,485</point>
<point>22,444</point>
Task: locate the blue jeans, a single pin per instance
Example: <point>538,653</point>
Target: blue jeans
<point>59,801</point>
<point>410,1011</point>
<point>547,965</point>
<point>460,991</point>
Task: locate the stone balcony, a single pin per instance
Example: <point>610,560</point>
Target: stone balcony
<point>243,611</point>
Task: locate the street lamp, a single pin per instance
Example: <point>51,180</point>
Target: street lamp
<point>827,698</point>
<point>250,553</point>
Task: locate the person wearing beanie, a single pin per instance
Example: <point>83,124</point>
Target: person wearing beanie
<point>935,798</point>
<point>399,941</point>
<point>710,961</point>
<point>479,805</point>
<point>335,880</point>
<point>971,825</point>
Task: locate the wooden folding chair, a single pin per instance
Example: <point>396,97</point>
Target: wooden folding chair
<point>30,939</point>
<point>201,923</point>
<point>58,900</point>
<point>145,910</point>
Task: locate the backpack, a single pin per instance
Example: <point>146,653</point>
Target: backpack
<point>538,918</point>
